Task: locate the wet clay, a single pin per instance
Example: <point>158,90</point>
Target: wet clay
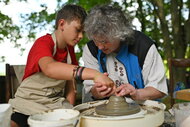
<point>117,106</point>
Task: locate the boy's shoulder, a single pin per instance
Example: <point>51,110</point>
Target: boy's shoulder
<point>47,36</point>
<point>44,39</point>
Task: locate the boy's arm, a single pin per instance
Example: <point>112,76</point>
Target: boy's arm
<point>70,92</point>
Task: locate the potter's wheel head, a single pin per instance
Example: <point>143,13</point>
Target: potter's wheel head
<point>117,106</point>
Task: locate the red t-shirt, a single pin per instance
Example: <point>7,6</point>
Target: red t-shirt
<point>44,46</point>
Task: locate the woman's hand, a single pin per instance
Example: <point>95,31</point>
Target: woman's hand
<point>100,91</point>
<point>127,90</point>
<point>148,93</point>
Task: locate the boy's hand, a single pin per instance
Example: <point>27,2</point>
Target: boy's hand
<point>103,79</point>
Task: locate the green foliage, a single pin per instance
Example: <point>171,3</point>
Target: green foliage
<point>146,13</point>
<point>8,31</point>
<point>5,1</point>
<point>88,4</point>
<point>36,21</point>
<point>2,59</point>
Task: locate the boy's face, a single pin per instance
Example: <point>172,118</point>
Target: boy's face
<point>73,32</point>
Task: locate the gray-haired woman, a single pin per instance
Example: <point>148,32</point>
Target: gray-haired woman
<point>128,56</point>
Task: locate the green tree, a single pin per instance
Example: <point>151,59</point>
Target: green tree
<point>175,31</point>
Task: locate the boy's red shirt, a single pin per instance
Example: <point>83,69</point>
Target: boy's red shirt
<point>44,46</point>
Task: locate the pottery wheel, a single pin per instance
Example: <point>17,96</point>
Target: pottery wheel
<point>117,106</point>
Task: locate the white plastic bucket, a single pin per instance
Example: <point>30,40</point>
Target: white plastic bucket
<point>55,118</point>
<point>5,115</point>
<point>182,114</point>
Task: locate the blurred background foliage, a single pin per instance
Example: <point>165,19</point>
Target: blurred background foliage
<point>167,22</point>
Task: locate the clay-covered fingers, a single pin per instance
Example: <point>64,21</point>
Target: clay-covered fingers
<point>106,92</point>
<point>99,87</point>
<point>124,90</point>
<point>100,91</point>
<point>112,92</point>
<point>95,91</point>
<point>135,94</point>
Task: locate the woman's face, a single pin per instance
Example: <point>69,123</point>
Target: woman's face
<point>106,46</point>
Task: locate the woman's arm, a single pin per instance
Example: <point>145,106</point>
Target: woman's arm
<point>148,93</point>
<point>153,71</point>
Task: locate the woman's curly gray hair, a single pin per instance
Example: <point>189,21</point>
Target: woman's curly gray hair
<point>108,21</point>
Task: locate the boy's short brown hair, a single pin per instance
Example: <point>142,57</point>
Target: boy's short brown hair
<point>71,12</point>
